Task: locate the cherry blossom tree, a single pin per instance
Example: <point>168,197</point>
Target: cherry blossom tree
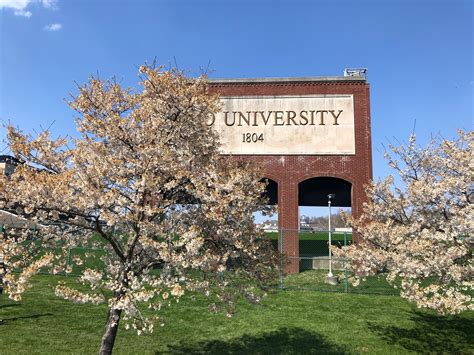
<point>421,233</point>
<point>145,182</point>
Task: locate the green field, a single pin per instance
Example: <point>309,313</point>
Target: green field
<point>311,244</point>
<point>312,235</point>
<point>290,322</point>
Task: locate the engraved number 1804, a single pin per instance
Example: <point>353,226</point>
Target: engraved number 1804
<point>252,137</point>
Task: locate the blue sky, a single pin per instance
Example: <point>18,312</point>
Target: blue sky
<point>419,54</point>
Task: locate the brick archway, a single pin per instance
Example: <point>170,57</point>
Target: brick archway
<point>290,170</point>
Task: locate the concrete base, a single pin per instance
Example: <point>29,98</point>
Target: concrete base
<point>332,280</point>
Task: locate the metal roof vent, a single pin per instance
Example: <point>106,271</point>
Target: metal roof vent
<point>356,72</point>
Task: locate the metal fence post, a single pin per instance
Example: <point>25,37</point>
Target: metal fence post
<point>282,235</point>
<point>346,278</point>
<point>68,261</point>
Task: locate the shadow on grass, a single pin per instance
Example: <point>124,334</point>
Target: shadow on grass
<point>431,334</point>
<point>8,305</point>
<point>282,341</point>
<point>32,316</point>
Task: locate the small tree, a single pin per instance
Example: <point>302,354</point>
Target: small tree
<point>421,233</point>
<point>145,182</point>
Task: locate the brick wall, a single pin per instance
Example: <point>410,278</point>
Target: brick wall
<point>289,170</point>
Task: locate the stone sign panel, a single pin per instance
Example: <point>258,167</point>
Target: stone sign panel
<point>286,125</point>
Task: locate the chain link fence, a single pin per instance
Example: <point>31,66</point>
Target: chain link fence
<point>314,262</point>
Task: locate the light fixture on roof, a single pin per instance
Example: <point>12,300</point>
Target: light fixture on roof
<point>356,72</point>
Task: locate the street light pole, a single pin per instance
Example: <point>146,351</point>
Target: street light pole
<point>330,196</point>
<point>330,279</point>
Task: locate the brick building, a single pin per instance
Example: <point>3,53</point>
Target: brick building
<point>303,176</point>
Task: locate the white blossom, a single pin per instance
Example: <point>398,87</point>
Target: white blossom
<point>421,234</point>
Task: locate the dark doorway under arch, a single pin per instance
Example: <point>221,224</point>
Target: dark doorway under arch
<point>315,191</point>
<point>271,191</point>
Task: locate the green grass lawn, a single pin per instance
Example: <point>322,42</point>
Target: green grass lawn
<point>314,280</point>
<point>290,322</point>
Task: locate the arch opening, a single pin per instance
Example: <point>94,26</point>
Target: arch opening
<point>271,192</point>
<point>269,223</point>
<point>313,217</point>
<point>313,202</point>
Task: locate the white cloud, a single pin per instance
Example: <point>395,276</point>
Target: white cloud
<point>53,27</point>
<point>24,13</point>
<point>14,4</point>
<point>50,4</point>
<point>19,6</point>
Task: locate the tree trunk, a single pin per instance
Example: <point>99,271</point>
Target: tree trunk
<point>111,328</point>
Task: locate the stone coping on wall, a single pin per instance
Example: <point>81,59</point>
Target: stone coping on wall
<point>322,79</point>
